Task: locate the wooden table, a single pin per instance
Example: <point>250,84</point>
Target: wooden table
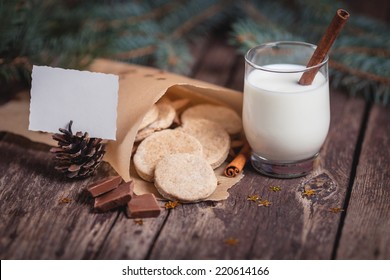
<point>354,174</point>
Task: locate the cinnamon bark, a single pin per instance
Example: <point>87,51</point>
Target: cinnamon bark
<point>324,46</point>
<point>237,164</point>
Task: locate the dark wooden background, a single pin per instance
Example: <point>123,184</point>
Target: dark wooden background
<point>354,174</point>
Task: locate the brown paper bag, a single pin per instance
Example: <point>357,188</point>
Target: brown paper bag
<point>139,88</point>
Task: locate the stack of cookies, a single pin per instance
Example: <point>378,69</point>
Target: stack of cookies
<point>178,146</point>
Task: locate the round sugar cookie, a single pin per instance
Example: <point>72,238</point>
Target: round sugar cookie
<point>214,139</point>
<point>143,133</point>
<point>151,150</point>
<point>185,178</point>
<point>166,114</point>
<point>224,116</point>
<point>149,117</point>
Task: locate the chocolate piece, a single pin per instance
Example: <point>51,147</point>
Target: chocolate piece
<point>103,186</point>
<point>115,198</point>
<point>143,206</point>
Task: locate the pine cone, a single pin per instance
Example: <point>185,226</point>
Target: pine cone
<point>77,155</point>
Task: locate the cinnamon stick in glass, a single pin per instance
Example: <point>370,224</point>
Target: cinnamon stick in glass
<point>237,164</point>
<point>324,46</point>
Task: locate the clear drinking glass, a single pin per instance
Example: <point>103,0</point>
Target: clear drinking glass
<point>285,123</point>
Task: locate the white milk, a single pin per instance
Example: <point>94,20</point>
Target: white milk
<point>283,120</point>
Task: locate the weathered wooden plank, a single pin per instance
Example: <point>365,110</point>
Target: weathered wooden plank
<point>128,240</point>
<point>34,224</point>
<point>314,238</point>
<point>216,62</point>
<point>366,231</point>
<point>236,79</point>
<point>293,227</point>
<point>75,234</point>
<point>198,49</point>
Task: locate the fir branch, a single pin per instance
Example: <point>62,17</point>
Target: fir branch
<point>199,18</point>
<point>134,53</point>
<point>365,50</point>
<point>359,73</point>
<point>360,55</point>
<point>70,33</point>
<point>256,14</point>
<point>17,61</point>
<point>153,14</point>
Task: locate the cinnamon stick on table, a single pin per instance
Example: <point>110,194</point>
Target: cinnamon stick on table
<point>237,164</point>
<point>324,46</point>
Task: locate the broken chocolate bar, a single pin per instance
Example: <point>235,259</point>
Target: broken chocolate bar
<point>103,186</point>
<point>115,198</point>
<point>143,206</point>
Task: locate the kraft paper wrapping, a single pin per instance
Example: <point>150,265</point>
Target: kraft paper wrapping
<point>139,88</point>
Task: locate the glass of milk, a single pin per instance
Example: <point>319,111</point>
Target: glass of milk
<point>285,123</point>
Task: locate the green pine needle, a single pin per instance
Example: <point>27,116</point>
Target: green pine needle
<point>71,33</point>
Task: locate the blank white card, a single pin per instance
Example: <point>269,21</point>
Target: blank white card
<point>88,99</point>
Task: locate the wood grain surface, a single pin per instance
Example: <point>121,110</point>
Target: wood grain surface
<point>366,231</point>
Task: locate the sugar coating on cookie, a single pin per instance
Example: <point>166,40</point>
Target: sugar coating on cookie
<point>213,137</point>
<point>144,133</point>
<point>224,116</point>
<point>150,117</point>
<point>166,114</point>
<point>158,145</point>
<point>185,178</point>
